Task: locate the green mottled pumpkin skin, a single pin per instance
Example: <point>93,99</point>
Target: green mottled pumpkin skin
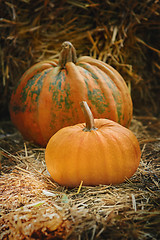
<point>47,97</point>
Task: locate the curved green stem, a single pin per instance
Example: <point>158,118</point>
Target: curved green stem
<point>67,54</point>
<point>88,116</point>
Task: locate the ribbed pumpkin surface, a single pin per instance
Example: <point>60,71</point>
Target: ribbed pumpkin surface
<point>46,95</point>
<point>107,155</point>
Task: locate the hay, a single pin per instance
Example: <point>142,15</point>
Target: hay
<point>122,33</point>
<point>35,207</point>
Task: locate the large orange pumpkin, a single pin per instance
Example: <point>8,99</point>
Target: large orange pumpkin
<point>48,94</point>
<point>102,152</point>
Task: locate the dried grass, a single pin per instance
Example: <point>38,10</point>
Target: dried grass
<point>35,207</point>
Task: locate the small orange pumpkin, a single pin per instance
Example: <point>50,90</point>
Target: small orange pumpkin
<point>48,95</point>
<point>102,152</point>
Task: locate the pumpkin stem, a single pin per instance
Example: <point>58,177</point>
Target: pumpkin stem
<point>67,54</point>
<point>88,116</point>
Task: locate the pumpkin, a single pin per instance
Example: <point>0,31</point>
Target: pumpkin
<point>98,152</point>
<point>48,94</point>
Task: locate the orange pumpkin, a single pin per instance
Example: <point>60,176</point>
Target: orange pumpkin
<point>102,152</point>
<point>48,94</point>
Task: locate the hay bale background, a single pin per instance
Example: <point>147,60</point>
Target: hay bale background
<point>123,33</point>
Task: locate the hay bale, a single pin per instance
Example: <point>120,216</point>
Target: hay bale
<point>121,33</point>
